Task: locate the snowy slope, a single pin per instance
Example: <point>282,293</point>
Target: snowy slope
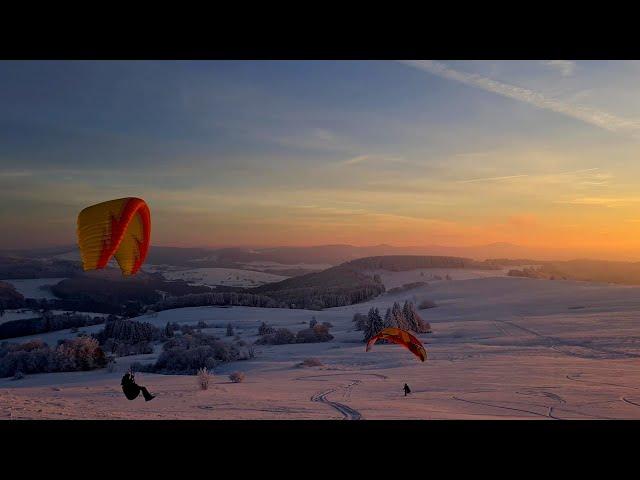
<point>502,347</point>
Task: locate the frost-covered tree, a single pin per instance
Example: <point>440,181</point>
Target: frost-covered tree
<point>359,320</point>
<point>374,324</point>
<point>168,330</point>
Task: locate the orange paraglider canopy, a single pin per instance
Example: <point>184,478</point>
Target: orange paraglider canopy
<point>401,337</point>
<point>120,228</point>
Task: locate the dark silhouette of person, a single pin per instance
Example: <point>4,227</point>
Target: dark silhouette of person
<point>407,390</point>
<point>131,389</point>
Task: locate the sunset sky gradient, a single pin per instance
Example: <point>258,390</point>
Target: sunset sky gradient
<point>261,153</point>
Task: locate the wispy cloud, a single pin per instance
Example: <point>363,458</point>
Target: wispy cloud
<point>585,176</point>
<point>565,67</point>
<point>583,113</point>
<point>358,159</point>
<point>602,201</point>
<point>373,158</point>
<point>491,179</point>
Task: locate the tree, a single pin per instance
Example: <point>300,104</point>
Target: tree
<point>360,321</point>
<point>168,330</point>
<point>398,317</point>
<point>374,324</point>
<point>414,321</point>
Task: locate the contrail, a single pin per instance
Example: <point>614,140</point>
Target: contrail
<point>588,115</point>
<point>491,178</point>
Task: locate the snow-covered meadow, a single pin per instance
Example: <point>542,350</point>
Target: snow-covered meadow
<point>502,347</point>
<point>230,277</point>
<point>34,287</point>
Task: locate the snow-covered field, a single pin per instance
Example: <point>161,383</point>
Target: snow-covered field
<point>30,288</point>
<point>230,277</point>
<point>286,266</point>
<point>429,275</point>
<point>501,347</point>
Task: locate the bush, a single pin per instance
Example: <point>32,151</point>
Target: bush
<point>18,375</point>
<point>237,377</point>
<point>187,354</point>
<point>265,329</point>
<point>282,336</point>
<point>230,332</point>
<point>319,333</point>
<point>81,353</point>
<point>310,362</point>
<point>360,321</point>
<point>203,377</point>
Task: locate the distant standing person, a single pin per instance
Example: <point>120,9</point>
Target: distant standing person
<point>131,389</point>
<point>407,390</point>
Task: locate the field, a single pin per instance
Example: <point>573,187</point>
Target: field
<point>501,347</point>
<point>230,277</point>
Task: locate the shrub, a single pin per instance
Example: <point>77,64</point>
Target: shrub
<point>360,321</point>
<point>82,353</point>
<point>265,329</point>
<point>187,354</point>
<point>203,377</point>
<point>282,336</point>
<point>319,333</point>
<point>202,324</point>
<point>237,377</point>
<point>230,332</point>
<point>18,375</point>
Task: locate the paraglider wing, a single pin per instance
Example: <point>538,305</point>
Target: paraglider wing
<point>401,337</point>
<point>120,228</point>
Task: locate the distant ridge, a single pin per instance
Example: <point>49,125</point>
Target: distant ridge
<point>335,254</point>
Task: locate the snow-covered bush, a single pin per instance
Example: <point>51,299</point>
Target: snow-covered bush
<point>319,333</point>
<point>282,336</point>
<point>265,329</point>
<point>204,377</point>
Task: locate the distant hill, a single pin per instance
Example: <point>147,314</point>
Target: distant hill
<point>9,296</point>
<point>351,282</point>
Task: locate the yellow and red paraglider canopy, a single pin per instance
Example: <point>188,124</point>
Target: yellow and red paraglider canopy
<point>120,228</point>
<point>401,337</point>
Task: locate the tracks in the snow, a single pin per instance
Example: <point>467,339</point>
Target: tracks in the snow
<point>347,412</point>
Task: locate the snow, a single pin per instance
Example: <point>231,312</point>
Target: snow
<point>502,347</point>
<point>285,266</point>
<point>223,276</point>
<point>398,279</point>
<point>29,288</point>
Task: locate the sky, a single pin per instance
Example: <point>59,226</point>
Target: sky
<point>266,153</point>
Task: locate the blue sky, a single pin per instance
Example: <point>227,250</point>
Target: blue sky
<point>291,152</point>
